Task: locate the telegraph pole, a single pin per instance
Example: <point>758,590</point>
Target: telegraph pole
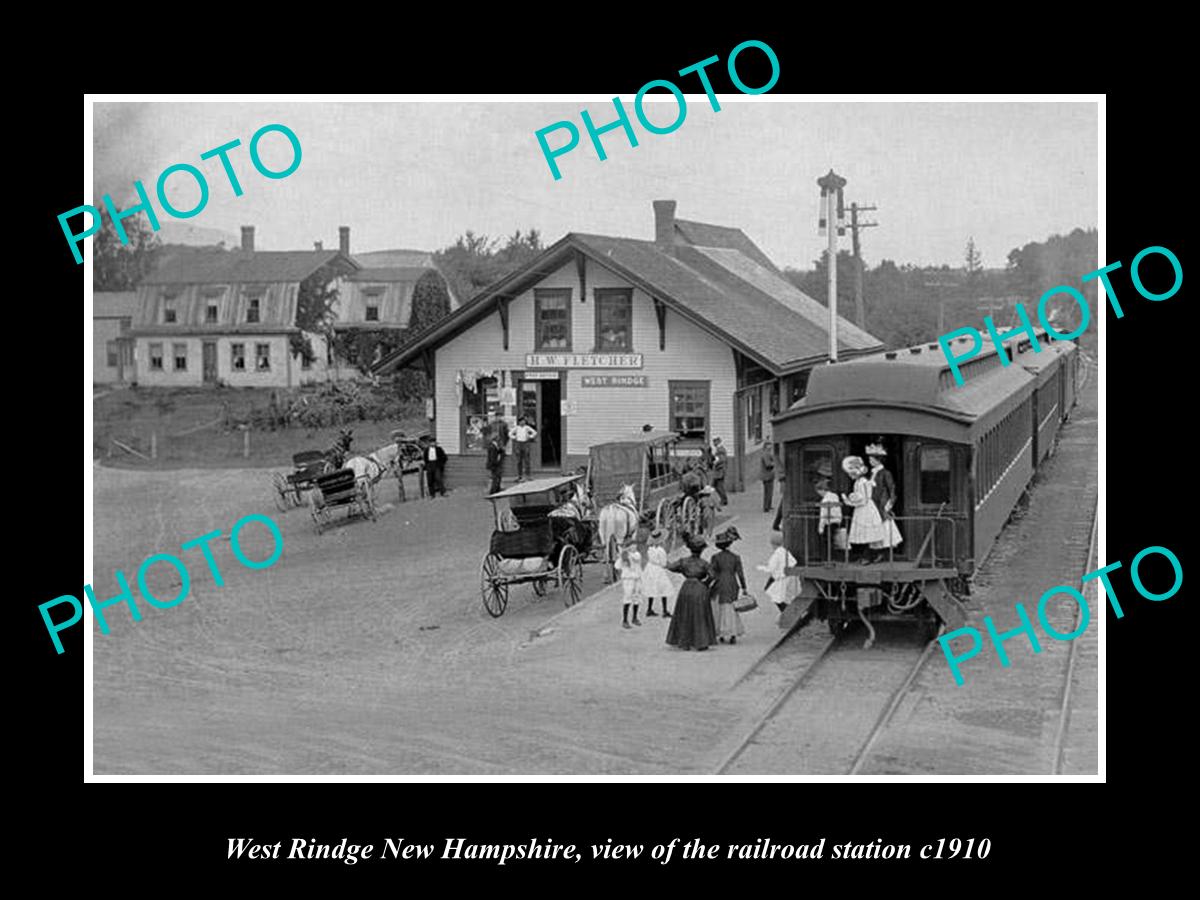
<point>831,204</point>
<point>941,328</point>
<point>860,312</point>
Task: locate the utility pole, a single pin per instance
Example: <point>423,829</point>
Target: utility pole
<point>832,202</point>
<point>860,312</point>
<point>941,328</point>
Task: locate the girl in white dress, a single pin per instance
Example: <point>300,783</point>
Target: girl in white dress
<point>656,581</point>
<point>866,525</point>
<point>781,587</point>
<point>629,564</point>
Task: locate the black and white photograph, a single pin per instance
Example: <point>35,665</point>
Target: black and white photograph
<point>450,436</point>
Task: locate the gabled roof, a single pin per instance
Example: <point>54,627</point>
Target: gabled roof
<point>726,286</point>
<point>113,304</point>
<point>383,259</point>
<point>402,274</point>
<point>238,266</point>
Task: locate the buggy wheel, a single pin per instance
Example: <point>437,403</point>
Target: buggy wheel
<point>317,513</point>
<point>279,482</point>
<point>493,590</point>
<point>664,516</point>
<point>570,575</point>
<point>688,520</point>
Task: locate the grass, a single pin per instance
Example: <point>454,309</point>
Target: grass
<point>187,425</point>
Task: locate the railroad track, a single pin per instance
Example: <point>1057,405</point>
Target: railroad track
<point>1064,718</point>
<point>851,695</point>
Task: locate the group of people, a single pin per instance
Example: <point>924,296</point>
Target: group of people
<point>873,525</point>
<point>433,465</point>
<point>706,603</point>
<point>522,437</point>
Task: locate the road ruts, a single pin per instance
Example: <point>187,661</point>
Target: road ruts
<point>1008,720</point>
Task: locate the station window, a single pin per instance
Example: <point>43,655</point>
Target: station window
<point>689,413</point>
<point>110,348</point>
<point>552,319</point>
<point>179,351</point>
<point>156,356</point>
<point>237,357</point>
<point>934,482</point>
<point>614,319</point>
<point>754,415</point>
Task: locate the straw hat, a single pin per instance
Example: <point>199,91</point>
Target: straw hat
<point>852,465</point>
<point>875,450</point>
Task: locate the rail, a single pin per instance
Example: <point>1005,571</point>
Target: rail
<point>930,541</point>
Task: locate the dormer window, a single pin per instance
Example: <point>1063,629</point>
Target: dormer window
<point>168,310</point>
<point>372,312</point>
<point>210,314</point>
<point>253,307</point>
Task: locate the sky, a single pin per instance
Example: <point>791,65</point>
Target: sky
<point>416,175</point>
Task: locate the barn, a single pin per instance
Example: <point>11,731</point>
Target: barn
<point>696,331</point>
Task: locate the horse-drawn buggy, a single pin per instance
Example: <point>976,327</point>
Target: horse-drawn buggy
<point>342,488</point>
<point>542,538</point>
<point>307,466</point>
<point>640,479</point>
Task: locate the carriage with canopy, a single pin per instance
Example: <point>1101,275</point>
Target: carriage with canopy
<point>539,540</point>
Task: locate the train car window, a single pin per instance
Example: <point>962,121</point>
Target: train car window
<point>935,474</point>
<point>816,464</point>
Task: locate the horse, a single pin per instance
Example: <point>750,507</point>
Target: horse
<point>372,467</point>
<point>579,506</point>
<point>619,521</point>
<point>335,456</point>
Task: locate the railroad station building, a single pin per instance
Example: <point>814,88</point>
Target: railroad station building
<point>695,331</point>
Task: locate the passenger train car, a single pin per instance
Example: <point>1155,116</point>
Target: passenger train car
<point>961,457</point>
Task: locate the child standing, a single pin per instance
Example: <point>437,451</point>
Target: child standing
<point>655,580</point>
<point>629,564</point>
<point>781,587</point>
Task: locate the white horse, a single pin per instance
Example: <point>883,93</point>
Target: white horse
<point>372,467</point>
<point>619,521</point>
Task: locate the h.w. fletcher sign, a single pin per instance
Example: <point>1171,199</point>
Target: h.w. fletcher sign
<point>583,360</point>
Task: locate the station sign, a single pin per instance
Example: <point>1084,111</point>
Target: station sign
<point>583,360</point>
<point>615,381</point>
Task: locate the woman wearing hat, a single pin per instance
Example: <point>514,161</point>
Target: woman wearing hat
<point>883,491</point>
<point>692,626</point>
<point>725,570</point>
<point>655,580</point>
<point>866,525</point>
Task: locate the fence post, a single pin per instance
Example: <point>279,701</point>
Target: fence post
<point>246,443</point>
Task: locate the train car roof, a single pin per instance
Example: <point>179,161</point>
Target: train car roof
<point>905,390</point>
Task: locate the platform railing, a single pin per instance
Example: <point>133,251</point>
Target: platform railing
<point>923,536</point>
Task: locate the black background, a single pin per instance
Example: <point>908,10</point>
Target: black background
<point>129,830</point>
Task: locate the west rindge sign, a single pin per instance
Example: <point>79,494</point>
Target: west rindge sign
<point>583,360</point>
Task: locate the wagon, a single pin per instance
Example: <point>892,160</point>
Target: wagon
<point>649,462</point>
<point>290,488</point>
<point>531,546</point>
<point>340,489</point>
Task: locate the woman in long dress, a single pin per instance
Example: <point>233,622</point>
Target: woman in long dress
<point>728,579</point>
<point>655,580</point>
<point>692,626</point>
<point>866,525</point>
<point>883,492</point>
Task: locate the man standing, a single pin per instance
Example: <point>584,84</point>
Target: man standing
<point>435,468</point>
<point>767,474</point>
<point>495,461</point>
<point>523,436</point>
<point>719,457</point>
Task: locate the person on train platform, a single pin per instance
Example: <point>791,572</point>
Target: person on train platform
<point>655,580</point>
<point>692,626</point>
<point>781,587</point>
<point>766,472</point>
<point>495,460</point>
<point>725,572</point>
<point>522,437</point>
<point>433,461</point>
<point>719,458</point>
<point>866,525</point>
<point>883,492</point>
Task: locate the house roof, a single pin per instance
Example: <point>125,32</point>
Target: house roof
<point>113,304</point>
<point>409,259</point>
<point>236,267</point>
<point>390,273</point>
<point>727,286</point>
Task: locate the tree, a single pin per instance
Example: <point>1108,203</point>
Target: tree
<point>121,267</point>
<point>430,302</point>
<point>974,259</point>
<point>475,261</point>
<point>315,311</point>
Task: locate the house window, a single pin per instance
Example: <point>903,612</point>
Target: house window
<point>372,312</point>
<point>156,356</point>
<point>210,314</point>
<point>262,357</point>
<point>126,324</point>
<point>614,319</point>
<point>754,414</point>
<point>237,357</point>
<point>253,306</point>
<point>179,351</point>
<point>935,474</point>
<point>168,311</point>
<point>305,362</point>
<point>110,348</point>
<point>552,319</point>
<point>688,415</point>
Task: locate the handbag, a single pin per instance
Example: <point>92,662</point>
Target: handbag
<point>744,603</point>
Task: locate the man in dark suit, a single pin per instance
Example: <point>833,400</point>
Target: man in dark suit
<point>434,458</point>
<point>495,461</point>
